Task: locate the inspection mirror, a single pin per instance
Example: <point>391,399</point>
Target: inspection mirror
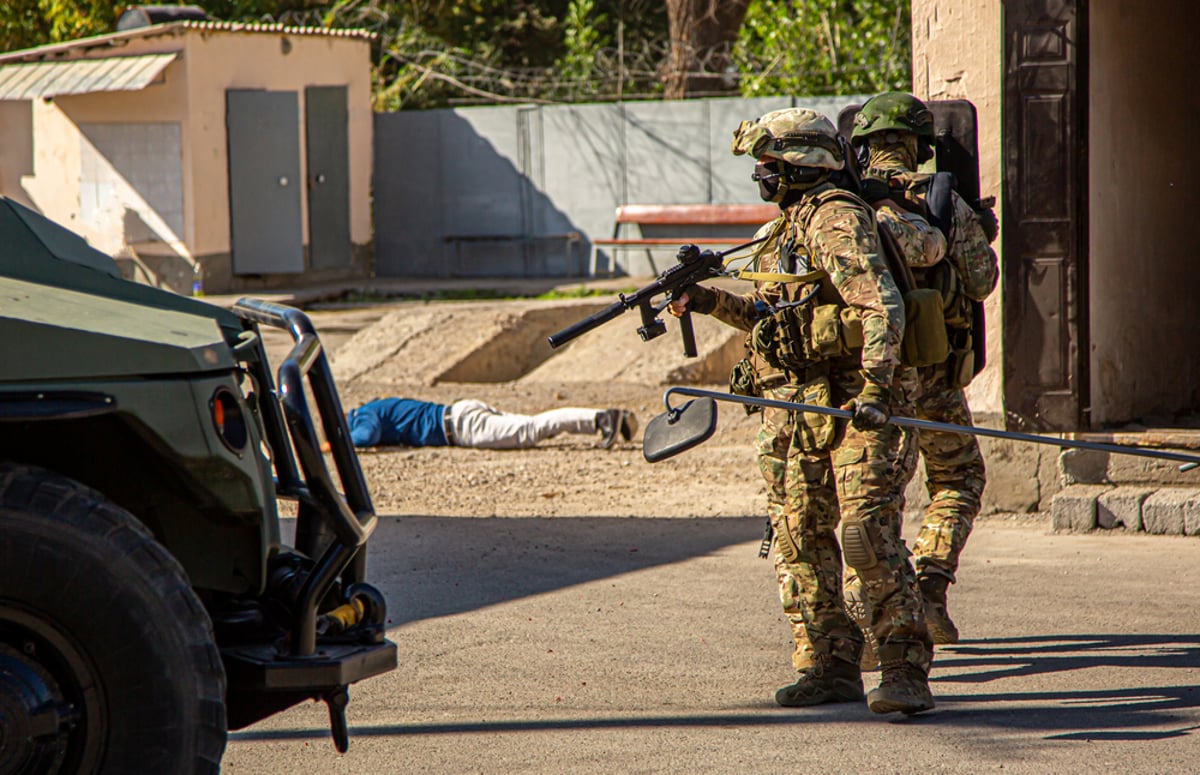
<point>679,429</point>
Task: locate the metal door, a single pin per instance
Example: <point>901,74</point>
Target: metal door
<point>264,181</point>
<point>328,156</point>
<point>1045,215</point>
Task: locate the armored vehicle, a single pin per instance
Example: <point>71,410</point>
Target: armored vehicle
<point>148,600</point>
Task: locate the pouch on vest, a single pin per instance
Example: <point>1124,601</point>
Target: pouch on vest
<point>815,432</point>
<point>743,381</point>
<point>762,341</point>
<point>852,333</point>
<point>956,307</point>
<point>826,331</point>
<point>792,347</point>
<point>925,342</point>
<point>960,363</point>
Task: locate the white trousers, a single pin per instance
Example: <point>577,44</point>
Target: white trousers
<point>475,424</point>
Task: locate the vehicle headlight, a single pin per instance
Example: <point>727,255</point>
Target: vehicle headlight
<point>229,420</point>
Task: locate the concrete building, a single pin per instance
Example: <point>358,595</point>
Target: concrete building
<point>229,155</point>
<point>1086,114</point>
<point>1086,121</point>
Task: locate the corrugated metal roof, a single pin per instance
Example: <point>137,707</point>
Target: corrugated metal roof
<point>28,80</point>
<point>348,32</point>
<point>115,39</point>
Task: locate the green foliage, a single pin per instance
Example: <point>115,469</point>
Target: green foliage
<point>581,292</point>
<point>582,42</point>
<point>30,23</point>
<point>825,47</point>
<point>436,53</point>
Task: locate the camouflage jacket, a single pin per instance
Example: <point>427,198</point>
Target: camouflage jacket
<point>833,231</point>
<point>973,259</point>
<point>922,243</point>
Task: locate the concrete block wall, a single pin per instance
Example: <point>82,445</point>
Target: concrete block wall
<point>1138,494</point>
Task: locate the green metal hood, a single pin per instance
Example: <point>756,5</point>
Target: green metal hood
<point>38,250</point>
<point>49,333</point>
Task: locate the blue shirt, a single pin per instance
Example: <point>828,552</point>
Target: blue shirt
<point>391,421</point>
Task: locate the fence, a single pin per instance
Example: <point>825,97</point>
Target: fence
<point>521,191</point>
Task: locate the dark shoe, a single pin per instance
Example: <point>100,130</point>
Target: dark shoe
<point>629,425</point>
<point>904,688</point>
<point>941,627</point>
<point>859,609</point>
<point>608,423</point>
<point>828,680</point>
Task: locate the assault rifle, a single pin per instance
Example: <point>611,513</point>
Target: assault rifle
<point>694,265</point>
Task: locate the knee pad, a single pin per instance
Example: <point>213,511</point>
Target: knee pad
<point>786,543</point>
<point>858,550</point>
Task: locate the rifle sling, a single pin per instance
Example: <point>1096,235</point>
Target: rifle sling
<point>782,277</point>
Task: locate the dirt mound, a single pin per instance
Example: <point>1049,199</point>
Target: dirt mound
<point>616,353</point>
<point>491,342</point>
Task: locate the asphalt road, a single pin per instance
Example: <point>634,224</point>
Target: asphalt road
<point>623,645</point>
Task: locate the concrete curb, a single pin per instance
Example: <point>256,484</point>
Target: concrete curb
<point>1168,510</point>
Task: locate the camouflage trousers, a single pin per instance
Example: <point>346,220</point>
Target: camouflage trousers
<point>954,475</point>
<point>809,493</point>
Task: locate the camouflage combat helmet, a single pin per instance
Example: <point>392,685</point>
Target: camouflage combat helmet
<point>894,111</point>
<point>796,136</point>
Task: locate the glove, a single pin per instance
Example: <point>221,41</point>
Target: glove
<point>700,298</point>
<point>989,224</point>
<point>870,407</point>
<point>875,190</point>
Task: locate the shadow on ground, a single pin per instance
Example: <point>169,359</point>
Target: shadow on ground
<point>443,566</point>
<point>440,566</point>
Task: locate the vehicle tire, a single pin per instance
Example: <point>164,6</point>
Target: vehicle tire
<point>107,657</point>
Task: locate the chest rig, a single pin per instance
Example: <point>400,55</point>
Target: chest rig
<point>809,325</point>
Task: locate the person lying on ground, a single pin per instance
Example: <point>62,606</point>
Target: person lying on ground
<point>471,423</point>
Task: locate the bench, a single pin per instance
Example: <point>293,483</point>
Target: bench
<point>687,220</point>
<point>570,239</point>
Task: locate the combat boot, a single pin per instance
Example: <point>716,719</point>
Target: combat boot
<point>858,608</point>
<point>828,680</point>
<point>904,688</point>
<point>933,592</point>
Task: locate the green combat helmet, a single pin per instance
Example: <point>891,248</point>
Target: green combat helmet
<point>895,111</point>
<point>796,136</point>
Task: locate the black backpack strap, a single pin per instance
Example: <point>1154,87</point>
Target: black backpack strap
<point>940,201</point>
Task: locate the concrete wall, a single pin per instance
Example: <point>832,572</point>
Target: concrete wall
<point>490,191</point>
<point>958,53</point>
<point>1144,111</point>
<point>61,149</point>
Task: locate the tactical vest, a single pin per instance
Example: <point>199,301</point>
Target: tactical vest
<point>913,193</point>
<point>963,316</point>
<point>812,324</point>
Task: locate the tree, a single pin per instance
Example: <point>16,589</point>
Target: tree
<point>824,47</point>
<point>437,53</point>
<point>30,23</point>
<point>702,34</point>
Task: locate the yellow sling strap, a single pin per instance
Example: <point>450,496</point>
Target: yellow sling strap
<point>782,277</point>
<point>768,232</point>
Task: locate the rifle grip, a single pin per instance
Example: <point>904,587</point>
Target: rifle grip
<point>688,333</point>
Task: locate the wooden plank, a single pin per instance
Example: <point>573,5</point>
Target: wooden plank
<point>636,241</point>
<point>697,214</point>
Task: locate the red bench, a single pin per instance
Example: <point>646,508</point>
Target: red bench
<point>688,220</point>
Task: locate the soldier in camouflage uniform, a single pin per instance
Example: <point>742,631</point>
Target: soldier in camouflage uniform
<point>894,134</point>
<point>922,245</point>
<point>825,320</point>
